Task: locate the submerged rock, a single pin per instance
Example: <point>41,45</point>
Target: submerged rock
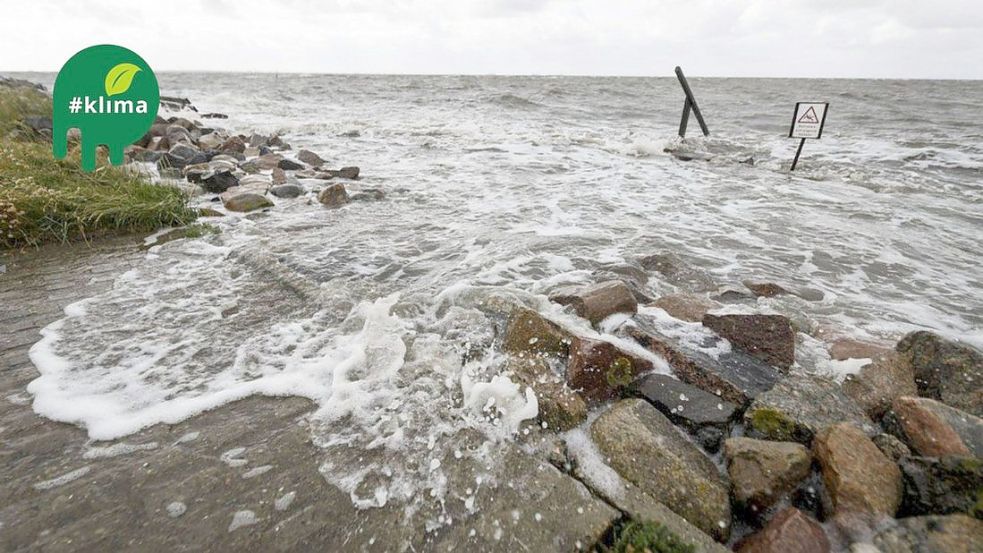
<point>945,370</point>
<point>769,338</point>
<point>287,190</point>
<point>677,272</point>
<point>528,332</point>
<point>789,531</point>
<point>688,406</point>
<point>686,307</point>
<point>559,407</point>
<point>289,165</point>
<point>310,158</point>
<point>857,476</point>
<point>599,370</point>
<point>799,406</point>
<point>645,449</point>
<point>934,429</point>
<point>735,376</point>
<point>942,486</point>
<point>219,181</point>
<point>246,201</point>
<point>765,289</point>
<point>597,302</point>
<point>762,471</point>
<point>931,534</point>
<point>333,195</point>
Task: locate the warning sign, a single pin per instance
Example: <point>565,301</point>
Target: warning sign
<point>808,120</point>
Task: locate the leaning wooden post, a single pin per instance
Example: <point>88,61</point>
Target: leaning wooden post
<point>808,121</point>
<point>689,105</point>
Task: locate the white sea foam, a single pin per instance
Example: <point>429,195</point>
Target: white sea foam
<point>63,479</point>
<point>115,450</point>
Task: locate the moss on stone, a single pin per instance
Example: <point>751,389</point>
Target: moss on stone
<point>638,537</point>
<point>773,424</point>
<point>620,373</point>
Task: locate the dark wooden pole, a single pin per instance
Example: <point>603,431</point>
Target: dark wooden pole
<point>685,119</point>
<point>691,101</point>
<point>798,152</point>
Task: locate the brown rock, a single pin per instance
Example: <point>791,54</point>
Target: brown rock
<point>761,471</point>
<point>334,195</point>
<point>686,307</point>
<point>246,201</point>
<point>597,302</point>
<point>790,531</point>
<point>765,289</point>
<point>945,370</point>
<point>879,383</point>
<point>559,407</point>
<point>923,424</point>
<point>529,332</point>
<point>268,161</point>
<point>858,477</point>
<point>233,144</point>
<point>848,348</point>
<point>600,371</point>
<point>279,176</point>
<point>770,338</point>
<point>310,158</point>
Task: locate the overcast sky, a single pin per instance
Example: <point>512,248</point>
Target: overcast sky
<point>770,38</point>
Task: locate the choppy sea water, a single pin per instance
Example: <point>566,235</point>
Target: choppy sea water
<point>515,186</point>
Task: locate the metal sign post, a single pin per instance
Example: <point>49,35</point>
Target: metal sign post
<point>689,104</point>
<point>808,121</point>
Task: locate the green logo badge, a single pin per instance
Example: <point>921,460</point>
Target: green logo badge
<point>110,95</point>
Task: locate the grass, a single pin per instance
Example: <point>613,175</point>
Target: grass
<point>47,200</point>
<point>648,537</point>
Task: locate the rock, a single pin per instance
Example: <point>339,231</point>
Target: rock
<point>369,194</point>
<point>186,152</point>
<point>848,348</point>
<point>233,144</point>
<point>278,176</point>
<point>798,407</point>
<point>761,471</point>
<point>276,142</point>
<point>878,384</point>
<point>289,165</point>
<point>209,212</point>
<point>765,289</point>
<point>931,534</point>
<point>686,307</point>
<point>735,377</point>
<point>676,272</point>
<point>158,144</point>
<point>600,371</point>
<point>219,182</point>
<point>632,274</point>
<point>212,141</point>
<point>350,173</point>
<point>597,302</point>
<point>645,449</point>
<point>857,476</point>
<point>310,158</point>
<point>942,486</point>
<point>790,531</point>
<point>174,103</point>
<point>686,405</point>
<point>257,140</point>
<point>559,407</point>
<point>144,155</point>
<point>528,332</point>
<point>287,190</point>
<point>185,124</point>
<point>267,162</point>
<point>334,195</point>
<point>934,429</point>
<point>892,448</point>
<point>769,338</point>
<point>945,370</point>
<point>177,134</point>
<point>214,116</point>
<point>246,201</point>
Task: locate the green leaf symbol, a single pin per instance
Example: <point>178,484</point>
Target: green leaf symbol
<point>119,78</point>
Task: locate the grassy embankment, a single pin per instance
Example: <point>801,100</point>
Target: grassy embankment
<point>44,200</point>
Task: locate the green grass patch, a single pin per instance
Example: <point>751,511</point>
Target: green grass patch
<point>648,537</point>
<point>47,200</point>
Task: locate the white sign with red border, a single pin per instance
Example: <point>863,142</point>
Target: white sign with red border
<point>808,120</point>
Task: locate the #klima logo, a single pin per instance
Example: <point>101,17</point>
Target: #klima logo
<point>110,95</point>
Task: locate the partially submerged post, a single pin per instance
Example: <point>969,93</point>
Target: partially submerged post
<point>689,104</point>
<point>807,122</point>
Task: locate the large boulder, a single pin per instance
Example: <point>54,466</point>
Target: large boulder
<point>945,370</point>
<point>333,195</point>
<point>934,429</point>
<point>762,471</point>
<point>769,338</point>
<point>528,332</point>
<point>790,531</point>
<point>931,534</point>
<point>701,413</point>
<point>599,301</point>
<point>734,376</point>
<point>879,383</point>
<point>645,449</point>
<point>857,476</point>
<point>799,406</point>
<point>599,370</point>
<point>942,486</point>
<point>560,408</point>
<point>246,201</point>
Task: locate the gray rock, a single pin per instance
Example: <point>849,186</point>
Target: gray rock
<point>686,405</point>
<point>674,270</point>
<point>287,190</point>
<point>931,534</point>
<point>310,158</point>
<point>769,338</point>
<point>645,449</point>
<point>735,377</point>
<point>219,181</point>
<point>289,165</point>
<point>246,201</point>
<point>945,370</point>
<point>892,448</point>
<point>368,195</point>
<point>799,406</point>
<point>599,301</point>
<point>942,486</point>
